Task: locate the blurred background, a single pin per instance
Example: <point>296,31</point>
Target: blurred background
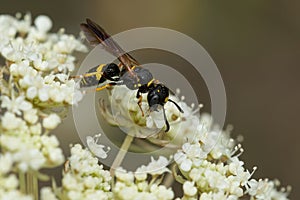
<point>255,44</point>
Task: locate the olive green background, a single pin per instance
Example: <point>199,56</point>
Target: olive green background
<point>255,44</point>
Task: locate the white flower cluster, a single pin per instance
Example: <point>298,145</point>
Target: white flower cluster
<point>265,189</point>
<point>217,172</point>
<point>34,80</point>
<point>84,178</point>
<point>124,112</point>
<point>34,87</point>
<point>137,185</point>
<point>208,161</point>
<point>39,62</point>
<point>9,182</point>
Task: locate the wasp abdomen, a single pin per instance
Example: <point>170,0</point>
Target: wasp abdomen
<point>100,74</point>
<point>90,79</point>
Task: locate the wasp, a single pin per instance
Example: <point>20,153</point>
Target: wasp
<point>128,72</point>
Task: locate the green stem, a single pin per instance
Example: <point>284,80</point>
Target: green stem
<point>177,177</point>
<point>28,191</point>
<point>121,154</point>
<point>22,182</point>
<point>35,186</point>
<point>169,180</point>
<point>31,185</point>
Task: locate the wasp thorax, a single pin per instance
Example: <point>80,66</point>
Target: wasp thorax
<point>139,77</point>
<point>111,70</point>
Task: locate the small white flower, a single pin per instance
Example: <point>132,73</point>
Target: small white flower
<point>70,182</point>
<point>6,163</point>
<point>123,175</point>
<point>57,94</point>
<point>86,178</point>
<point>95,148</point>
<point>15,105</point>
<point>67,44</point>
<point>41,64</point>
<point>36,129</point>
<point>10,121</point>
<point>51,121</point>
<point>191,154</point>
<point>29,158</point>
<point>260,189</point>
<point>161,192</point>
<point>56,156</point>
<point>11,143</point>
<point>47,194</point>
<point>22,68</point>
<point>43,93</point>
<point>31,116</point>
<point>31,92</point>
<point>62,77</point>
<point>158,167</point>
<point>14,194</point>
<point>11,182</point>
<point>141,173</point>
<point>186,165</point>
<point>194,151</point>
<point>189,188</point>
<point>35,87</point>
<point>43,23</point>
<point>155,119</point>
<point>23,25</point>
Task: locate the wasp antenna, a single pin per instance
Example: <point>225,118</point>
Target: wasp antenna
<point>178,107</point>
<point>166,121</point>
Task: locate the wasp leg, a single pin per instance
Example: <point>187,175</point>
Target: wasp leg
<point>76,76</point>
<point>87,75</point>
<point>166,121</point>
<point>105,86</point>
<point>140,97</point>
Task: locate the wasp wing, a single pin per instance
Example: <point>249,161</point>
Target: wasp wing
<point>96,35</point>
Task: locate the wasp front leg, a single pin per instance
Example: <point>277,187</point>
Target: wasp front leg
<point>140,98</point>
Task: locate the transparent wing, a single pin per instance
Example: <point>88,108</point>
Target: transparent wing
<point>96,35</point>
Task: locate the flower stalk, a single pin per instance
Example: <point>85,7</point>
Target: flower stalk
<point>32,185</point>
<point>22,182</point>
<point>121,154</point>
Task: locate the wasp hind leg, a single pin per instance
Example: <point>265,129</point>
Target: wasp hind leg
<point>86,75</point>
<point>105,86</point>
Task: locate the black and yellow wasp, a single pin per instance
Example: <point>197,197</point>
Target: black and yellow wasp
<point>128,72</point>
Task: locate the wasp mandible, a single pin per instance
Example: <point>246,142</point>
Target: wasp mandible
<point>128,72</point>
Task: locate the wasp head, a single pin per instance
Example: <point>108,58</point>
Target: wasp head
<point>157,95</point>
